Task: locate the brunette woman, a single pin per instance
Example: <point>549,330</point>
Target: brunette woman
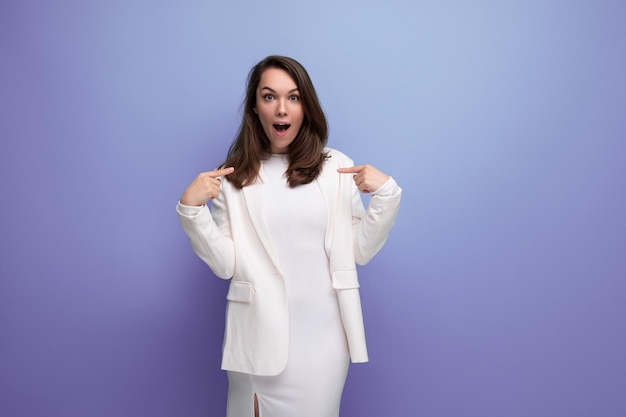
<point>287,225</point>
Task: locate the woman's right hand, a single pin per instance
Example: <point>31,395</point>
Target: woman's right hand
<point>206,186</point>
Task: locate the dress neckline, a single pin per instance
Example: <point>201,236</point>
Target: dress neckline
<point>281,156</point>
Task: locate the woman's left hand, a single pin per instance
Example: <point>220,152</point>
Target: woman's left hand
<point>366,177</point>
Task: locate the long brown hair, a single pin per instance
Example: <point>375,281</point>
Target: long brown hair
<point>306,152</point>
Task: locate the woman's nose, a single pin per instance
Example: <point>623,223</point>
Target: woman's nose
<point>281,108</point>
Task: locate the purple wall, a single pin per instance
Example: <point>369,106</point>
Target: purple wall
<point>501,291</point>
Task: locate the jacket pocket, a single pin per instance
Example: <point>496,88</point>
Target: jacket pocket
<point>344,279</point>
<point>240,291</point>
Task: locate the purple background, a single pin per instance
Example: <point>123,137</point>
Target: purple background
<point>501,291</point>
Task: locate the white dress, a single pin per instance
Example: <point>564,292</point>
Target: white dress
<point>312,382</point>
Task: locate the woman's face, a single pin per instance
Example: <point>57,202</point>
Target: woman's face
<point>279,108</point>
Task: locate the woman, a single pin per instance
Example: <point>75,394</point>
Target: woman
<point>287,225</point>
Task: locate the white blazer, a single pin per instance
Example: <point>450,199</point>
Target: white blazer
<point>234,241</point>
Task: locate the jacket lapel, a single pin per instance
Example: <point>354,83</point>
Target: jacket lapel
<point>327,180</point>
<point>254,196</point>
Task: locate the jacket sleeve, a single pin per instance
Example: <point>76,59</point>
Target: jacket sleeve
<point>371,227</point>
<point>210,236</point>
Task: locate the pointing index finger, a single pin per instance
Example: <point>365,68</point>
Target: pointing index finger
<point>350,170</point>
<point>220,172</point>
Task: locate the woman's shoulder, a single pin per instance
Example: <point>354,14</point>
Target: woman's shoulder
<point>338,156</point>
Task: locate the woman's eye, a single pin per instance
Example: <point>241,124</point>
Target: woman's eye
<point>294,98</point>
<point>268,97</point>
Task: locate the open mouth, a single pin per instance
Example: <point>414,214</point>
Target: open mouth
<point>281,127</point>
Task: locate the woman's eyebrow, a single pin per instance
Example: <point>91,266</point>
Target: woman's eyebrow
<point>273,91</point>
